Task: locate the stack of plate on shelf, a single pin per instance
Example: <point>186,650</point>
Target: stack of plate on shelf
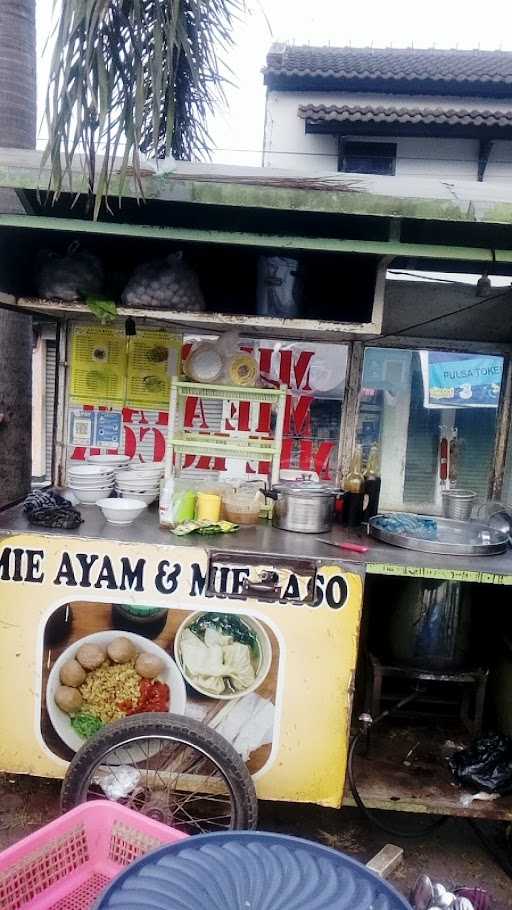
<point>140,481</point>
<point>90,482</point>
<point>113,462</point>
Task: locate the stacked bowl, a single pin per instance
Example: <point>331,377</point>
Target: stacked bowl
<point>90,482</point>
<point>140,481</point>
<point>113,462</point>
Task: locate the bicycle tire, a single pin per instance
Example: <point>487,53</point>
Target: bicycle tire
<point>191,732</point>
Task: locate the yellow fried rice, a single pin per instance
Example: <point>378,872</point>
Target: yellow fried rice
<point>106,687</point>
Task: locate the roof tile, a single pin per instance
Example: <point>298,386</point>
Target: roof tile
<point>380,114</point>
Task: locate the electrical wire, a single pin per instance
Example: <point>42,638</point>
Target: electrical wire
<point>417,325</point>
<point>375,820</point>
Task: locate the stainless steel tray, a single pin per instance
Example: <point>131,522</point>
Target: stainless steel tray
<point>454,538</point>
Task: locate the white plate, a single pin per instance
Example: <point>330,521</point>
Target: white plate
<point>109,460</point>
<point>171,675</point>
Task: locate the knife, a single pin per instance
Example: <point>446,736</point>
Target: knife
<point>351,547</point>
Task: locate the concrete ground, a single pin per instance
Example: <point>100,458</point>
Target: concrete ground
<point>452,855</point>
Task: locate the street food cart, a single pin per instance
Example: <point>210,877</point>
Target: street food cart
<point>356,369</point>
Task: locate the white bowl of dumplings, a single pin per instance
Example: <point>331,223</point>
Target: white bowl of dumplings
<point>215,663</point>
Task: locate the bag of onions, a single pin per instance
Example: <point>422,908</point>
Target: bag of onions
<point>167,284</point>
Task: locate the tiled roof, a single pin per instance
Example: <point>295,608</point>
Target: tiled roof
<point>322,113</point>
<point>395,65</point>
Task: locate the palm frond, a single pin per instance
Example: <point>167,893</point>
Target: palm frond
<point>138,75</point>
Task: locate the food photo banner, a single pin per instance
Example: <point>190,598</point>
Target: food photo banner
<point>95,630</point>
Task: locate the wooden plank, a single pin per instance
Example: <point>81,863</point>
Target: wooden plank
<point>406,770</point>
<point>296,243</point>
<point>386,860</point>
<point>430,198</point>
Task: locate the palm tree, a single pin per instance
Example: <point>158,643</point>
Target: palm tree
<point>131,76</point>
<point>17,130</point>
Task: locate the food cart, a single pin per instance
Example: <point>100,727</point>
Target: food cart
<point>351,365</point>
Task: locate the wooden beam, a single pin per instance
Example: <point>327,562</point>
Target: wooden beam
<point>247,239</point>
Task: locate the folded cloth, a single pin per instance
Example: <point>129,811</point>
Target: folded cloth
<point>50,510</point>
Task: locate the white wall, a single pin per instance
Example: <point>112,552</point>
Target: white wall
<point>286,144</point>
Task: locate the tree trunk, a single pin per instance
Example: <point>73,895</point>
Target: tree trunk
<point>18,123</point>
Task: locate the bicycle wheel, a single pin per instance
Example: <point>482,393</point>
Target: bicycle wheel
<point>168,767</point>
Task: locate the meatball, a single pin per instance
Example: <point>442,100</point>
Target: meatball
<point>121,650</point>
<point>68,699</point>
<point>91,656</point>
<point>72,674</point>
<point>148,666</point>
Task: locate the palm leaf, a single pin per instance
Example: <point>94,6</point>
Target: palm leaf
<point>139,76</point>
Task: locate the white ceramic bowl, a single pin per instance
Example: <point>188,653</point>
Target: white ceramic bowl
<point>137,476</point>
<point>108,460</point>
<point>170,675</point>
<point>88,470</point>
<point>100,480</point>
<point>121,511</point>
<point>148,498</point>
<point>91,497</point>
<point>265,656</point>
<point>146,466</point>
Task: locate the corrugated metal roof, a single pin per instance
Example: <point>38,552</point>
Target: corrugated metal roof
<point>346,113</point>
<point>399,65</point>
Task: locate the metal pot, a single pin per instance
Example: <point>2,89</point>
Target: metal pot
<point>430,624</point>
<point>307,508</point>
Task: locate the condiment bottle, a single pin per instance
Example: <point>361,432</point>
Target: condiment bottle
<point>353,485</point>
<point>372,484</point>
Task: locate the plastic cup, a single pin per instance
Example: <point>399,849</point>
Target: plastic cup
<point>208,507</point>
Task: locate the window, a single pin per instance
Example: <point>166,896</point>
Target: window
<point>367,157</point>
<point>409,401</point>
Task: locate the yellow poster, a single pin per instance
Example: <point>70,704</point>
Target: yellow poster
<point>153,358</point>
<point>98,365</point>
<point>286,710</point>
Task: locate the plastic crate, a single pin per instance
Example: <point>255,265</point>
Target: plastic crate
<point>67,864</point>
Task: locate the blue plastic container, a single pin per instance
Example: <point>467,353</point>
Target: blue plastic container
<point>248,870</point>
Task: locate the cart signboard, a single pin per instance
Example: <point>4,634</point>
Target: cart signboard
<point>292,730</point>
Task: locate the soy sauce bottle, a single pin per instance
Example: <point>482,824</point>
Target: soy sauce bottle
<point>372,484</point>
<point>353,485</point>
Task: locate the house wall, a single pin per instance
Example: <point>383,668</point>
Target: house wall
<point>286,144</point>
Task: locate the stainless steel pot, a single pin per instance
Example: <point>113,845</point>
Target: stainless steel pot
<point>307,508</point>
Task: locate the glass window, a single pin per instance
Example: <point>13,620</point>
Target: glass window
<point>433,414</point>
<point>368,157</point>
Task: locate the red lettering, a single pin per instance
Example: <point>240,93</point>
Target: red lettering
<point>194,410</point>
<point>264,419</point>
<point>239,418</point>
<point>287,454</point>
<point>78,453</point>
<point>130,441</point>
<point>297,419</point>
<point>159,442</point>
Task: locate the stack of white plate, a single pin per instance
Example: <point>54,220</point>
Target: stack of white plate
<point>113,462</point>
<point>141,481</point>
<point>90,482</point>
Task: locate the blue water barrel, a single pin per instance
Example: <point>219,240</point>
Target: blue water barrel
<point>248,870</point>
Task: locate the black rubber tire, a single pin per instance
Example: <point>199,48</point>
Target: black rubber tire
<point>187,730</point>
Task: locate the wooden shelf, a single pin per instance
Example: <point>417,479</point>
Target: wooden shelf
<point>253,326</point>
<point>406,770</point>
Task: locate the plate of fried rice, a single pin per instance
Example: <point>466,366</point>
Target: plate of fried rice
<point>106,676</point>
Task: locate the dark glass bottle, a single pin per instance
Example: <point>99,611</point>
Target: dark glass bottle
<point>353,485</point>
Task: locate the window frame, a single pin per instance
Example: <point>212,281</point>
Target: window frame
<point>388,151</point>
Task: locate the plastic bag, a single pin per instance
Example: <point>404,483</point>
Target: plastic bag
<point>165,284</point>
<point>280,287</point>
<point>486,764</point>
<point>73,276</point>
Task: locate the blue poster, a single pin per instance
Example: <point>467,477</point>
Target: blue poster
<point>107,429</point>
<point>461,380</point>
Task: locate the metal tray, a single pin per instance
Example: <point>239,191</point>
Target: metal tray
<point>454,538</point>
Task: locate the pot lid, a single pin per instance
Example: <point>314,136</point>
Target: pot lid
<point>305,488</point>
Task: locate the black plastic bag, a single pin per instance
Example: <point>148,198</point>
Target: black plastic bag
<point>486,764</point>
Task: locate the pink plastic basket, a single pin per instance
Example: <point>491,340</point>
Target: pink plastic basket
<point>68,863</point>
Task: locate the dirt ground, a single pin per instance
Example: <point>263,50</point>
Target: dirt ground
<point>451,855</point>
